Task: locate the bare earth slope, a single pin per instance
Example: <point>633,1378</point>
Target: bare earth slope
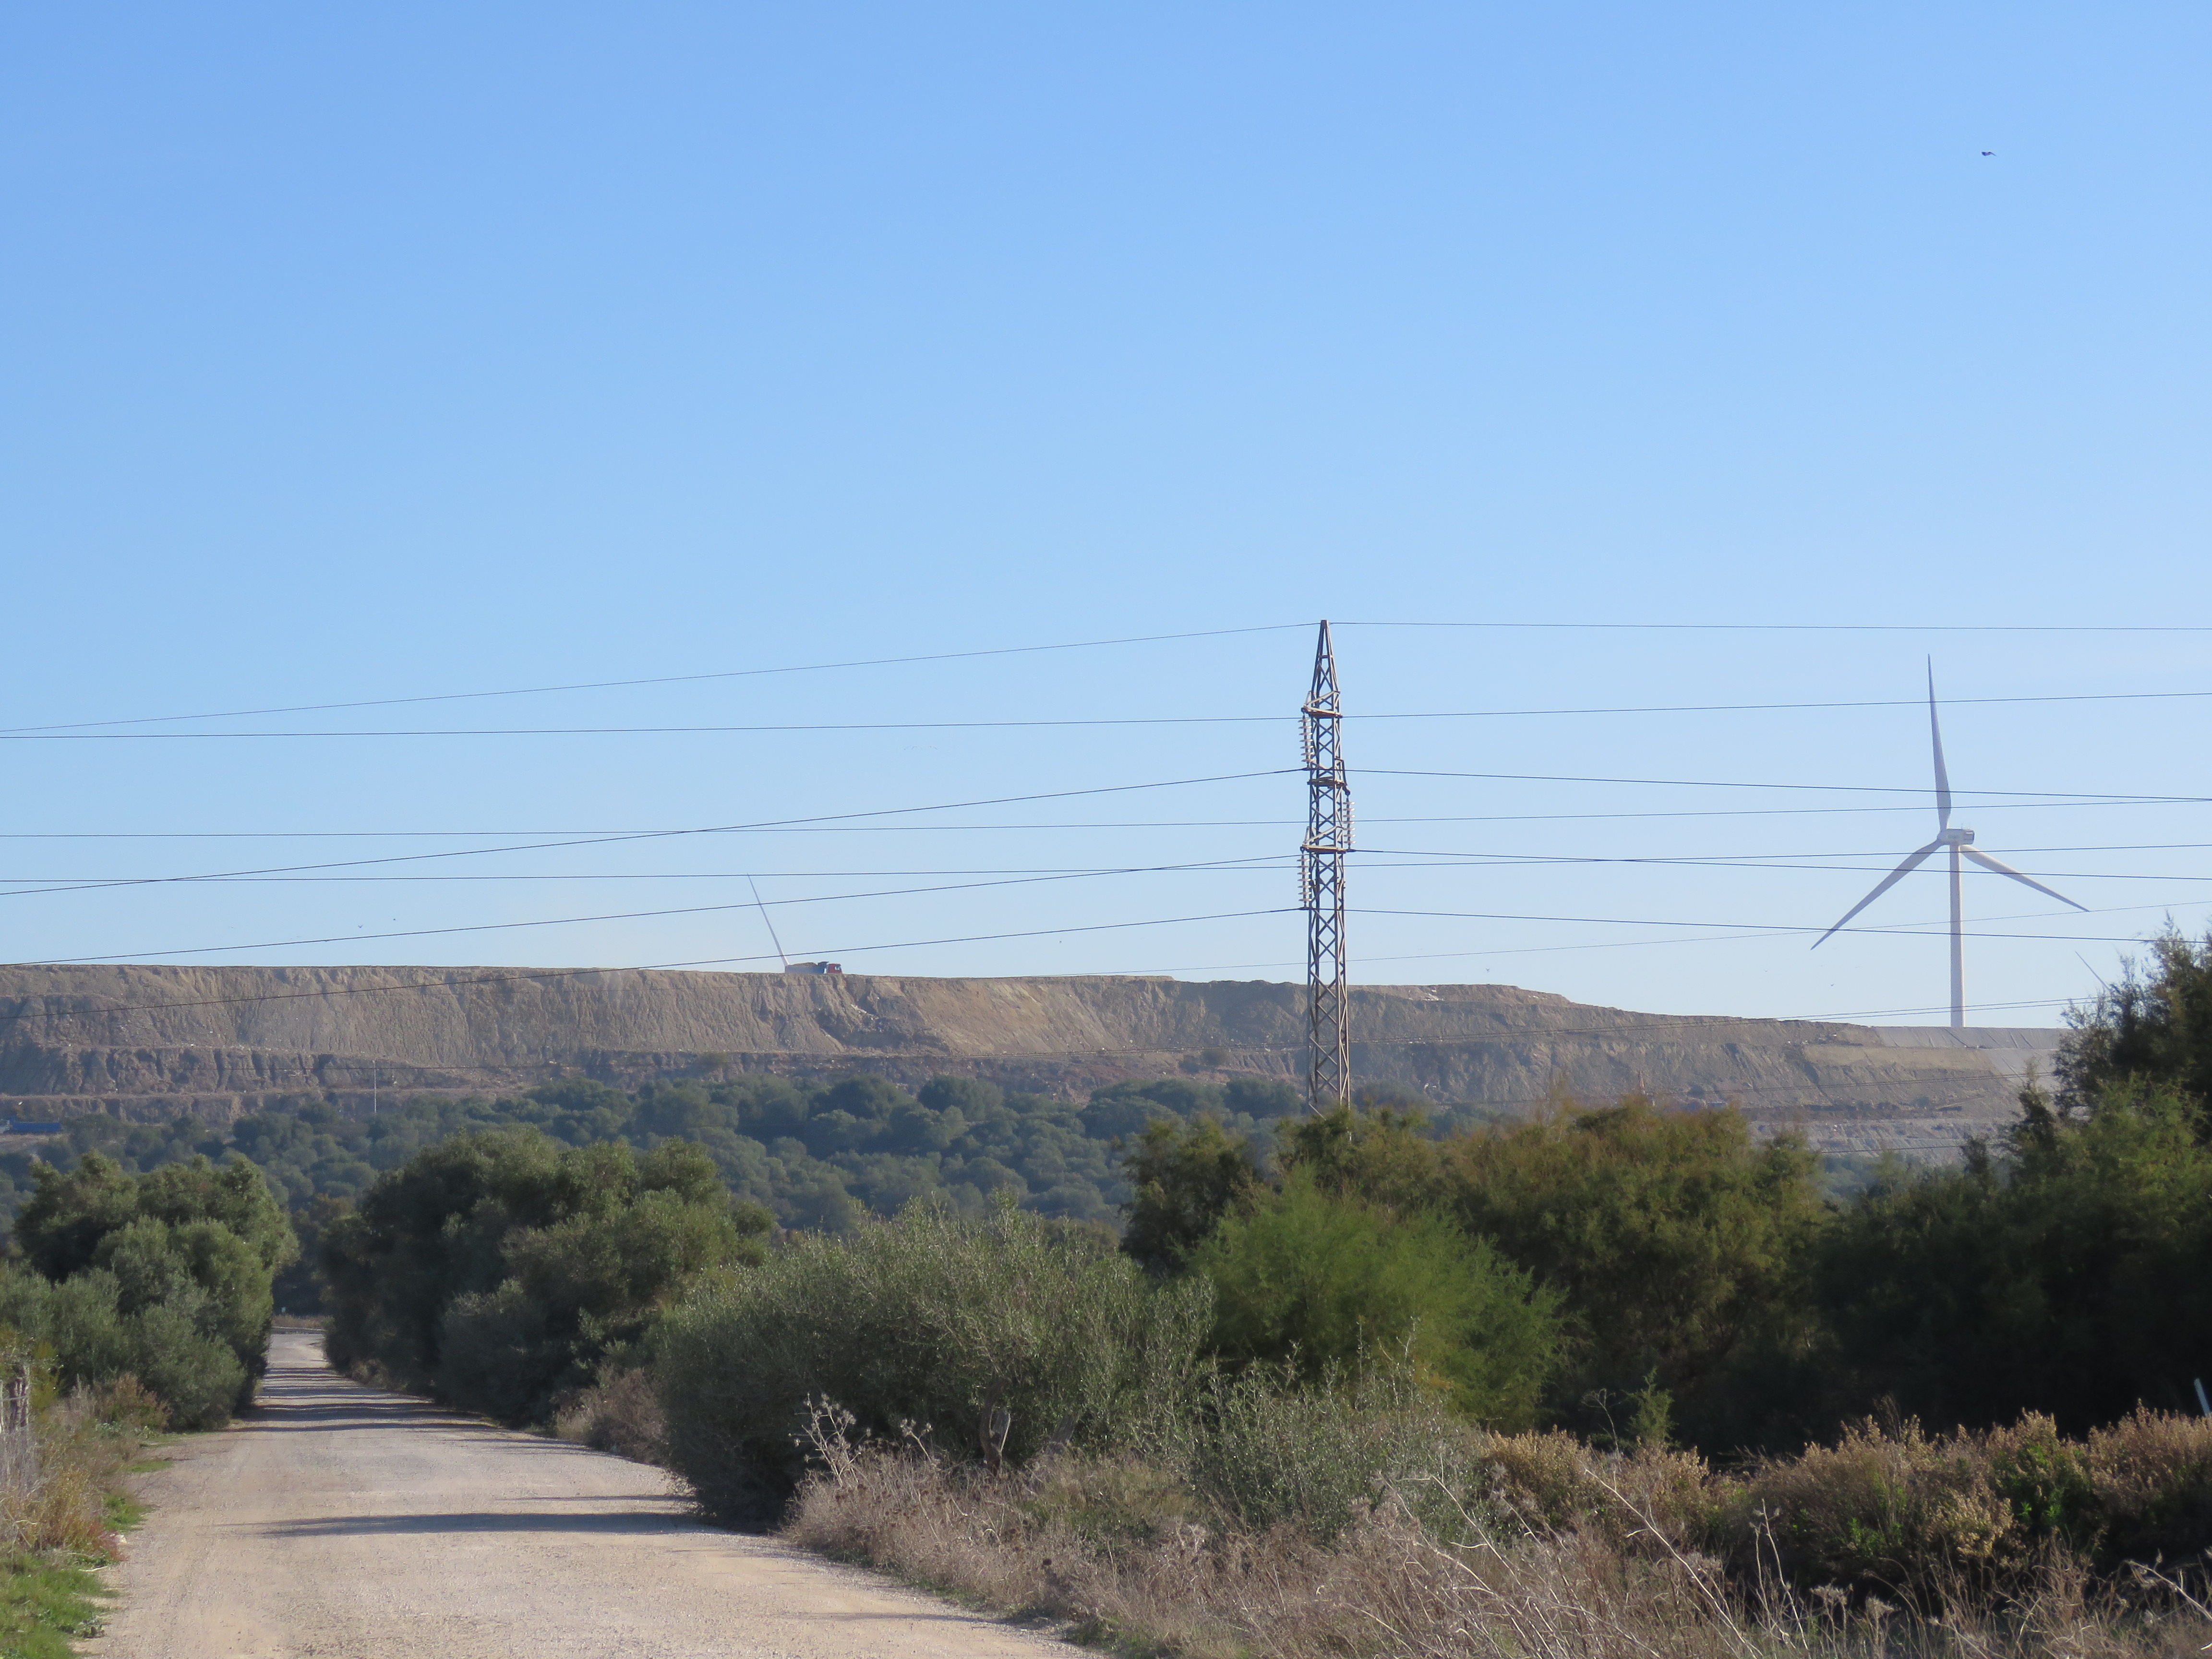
<point>346,1523</point>
<point>148,1042</point>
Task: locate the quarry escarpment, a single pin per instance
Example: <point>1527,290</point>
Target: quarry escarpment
<point>148,1042</point>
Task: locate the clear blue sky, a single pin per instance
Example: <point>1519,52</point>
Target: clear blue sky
<point>373,352</point>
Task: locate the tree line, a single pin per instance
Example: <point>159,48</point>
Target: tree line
<point>816,1154</point>
<point>1634,1274</point>
<point>1630,1272</point>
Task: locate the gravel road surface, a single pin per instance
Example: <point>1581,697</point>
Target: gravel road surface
<point>341,1522</point>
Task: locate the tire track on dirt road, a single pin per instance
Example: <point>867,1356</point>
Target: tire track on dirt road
<point>338,1522</point>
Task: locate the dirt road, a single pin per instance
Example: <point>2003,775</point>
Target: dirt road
<point>341,1522</point>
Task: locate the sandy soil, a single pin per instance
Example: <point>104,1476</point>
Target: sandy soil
<point>338,1521</point>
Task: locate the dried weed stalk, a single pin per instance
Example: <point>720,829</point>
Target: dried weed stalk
<point>1567,1555</point>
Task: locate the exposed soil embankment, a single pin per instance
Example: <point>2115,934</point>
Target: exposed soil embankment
<point>151,1041</point>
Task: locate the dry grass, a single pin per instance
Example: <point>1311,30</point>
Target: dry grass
<point>1981,1514</point>
<point>62,1460</point>
<point>622,1414</point>
<point>1570,1555</point>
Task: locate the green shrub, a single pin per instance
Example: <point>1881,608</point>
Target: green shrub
<point>1275,1449</point>
<point>163,1329</point>
<point>1678,1242</point>
<point>164,1278</point>
<point>2152,1031</point>
<point>62,1225</point>
<point>500,1354</point>
<point>195,1374</point>
<point>1186,1176</point>
<point>1319,1281</point>
<point>233,1196</point>
<point>931,1320</point>
<point>502,1270</point>
<point>2062,1275</point>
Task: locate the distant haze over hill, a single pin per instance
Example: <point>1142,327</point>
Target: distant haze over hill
<point>148,1042</point>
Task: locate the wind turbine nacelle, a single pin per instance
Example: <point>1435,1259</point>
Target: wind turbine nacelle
<point>1955,838</point>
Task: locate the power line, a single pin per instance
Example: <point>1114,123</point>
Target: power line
<point>1752,930</point>
<point>1511,861</point>
<point>1433,858</point>
<point>644,968</point>
<point>659,731</point>
<point>1766,707</point>
<point>1818,627</point>
<point>326,993</point>
<point>1370,859</point>
<point>1944,1008</point>
<point>626,916</point>
<point>812,827</point>
<point>1140,639</point>
<point>1672,941</point>
<point>1455,956</point>
<point>1876,853</point>
<point>2035,796</point>
<point>664,679</point>
<point>1760,929</point>
<point>708,875</point>
<point>290,835</point>
<point>49,735</point>
<point>2065,805</point>
<point>648,834</point>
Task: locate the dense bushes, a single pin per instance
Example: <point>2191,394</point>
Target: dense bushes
<point>1590,1265</point>
<point>1000,1332</point>
<point>2151,1030</point>
<point>164,1278</point>
<point>2062,1271</point>
<point>1708,1291</point>
<point>501,1268</point>
<point>1185,1175</point>
<point>1321,1282</point>
<point>2063,1274</point>
<point>1679,1242</point>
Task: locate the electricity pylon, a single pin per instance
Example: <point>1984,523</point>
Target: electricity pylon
<point>1321,886</point>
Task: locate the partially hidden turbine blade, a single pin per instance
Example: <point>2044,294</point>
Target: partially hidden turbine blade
<point>1912,861</point>
<point>1942,776</point>
<point>1989,863</point>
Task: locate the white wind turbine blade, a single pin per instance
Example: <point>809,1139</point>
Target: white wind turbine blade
<point>1912,861</point>
<point>1989,863</point>
<point>1942,777</point>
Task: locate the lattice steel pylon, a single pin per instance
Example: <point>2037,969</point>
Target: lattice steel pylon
<point>1321,886</point>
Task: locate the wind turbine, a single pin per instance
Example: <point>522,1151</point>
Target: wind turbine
<point>1961,845</point>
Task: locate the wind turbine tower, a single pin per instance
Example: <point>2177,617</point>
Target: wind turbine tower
<point>1959,843</point>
